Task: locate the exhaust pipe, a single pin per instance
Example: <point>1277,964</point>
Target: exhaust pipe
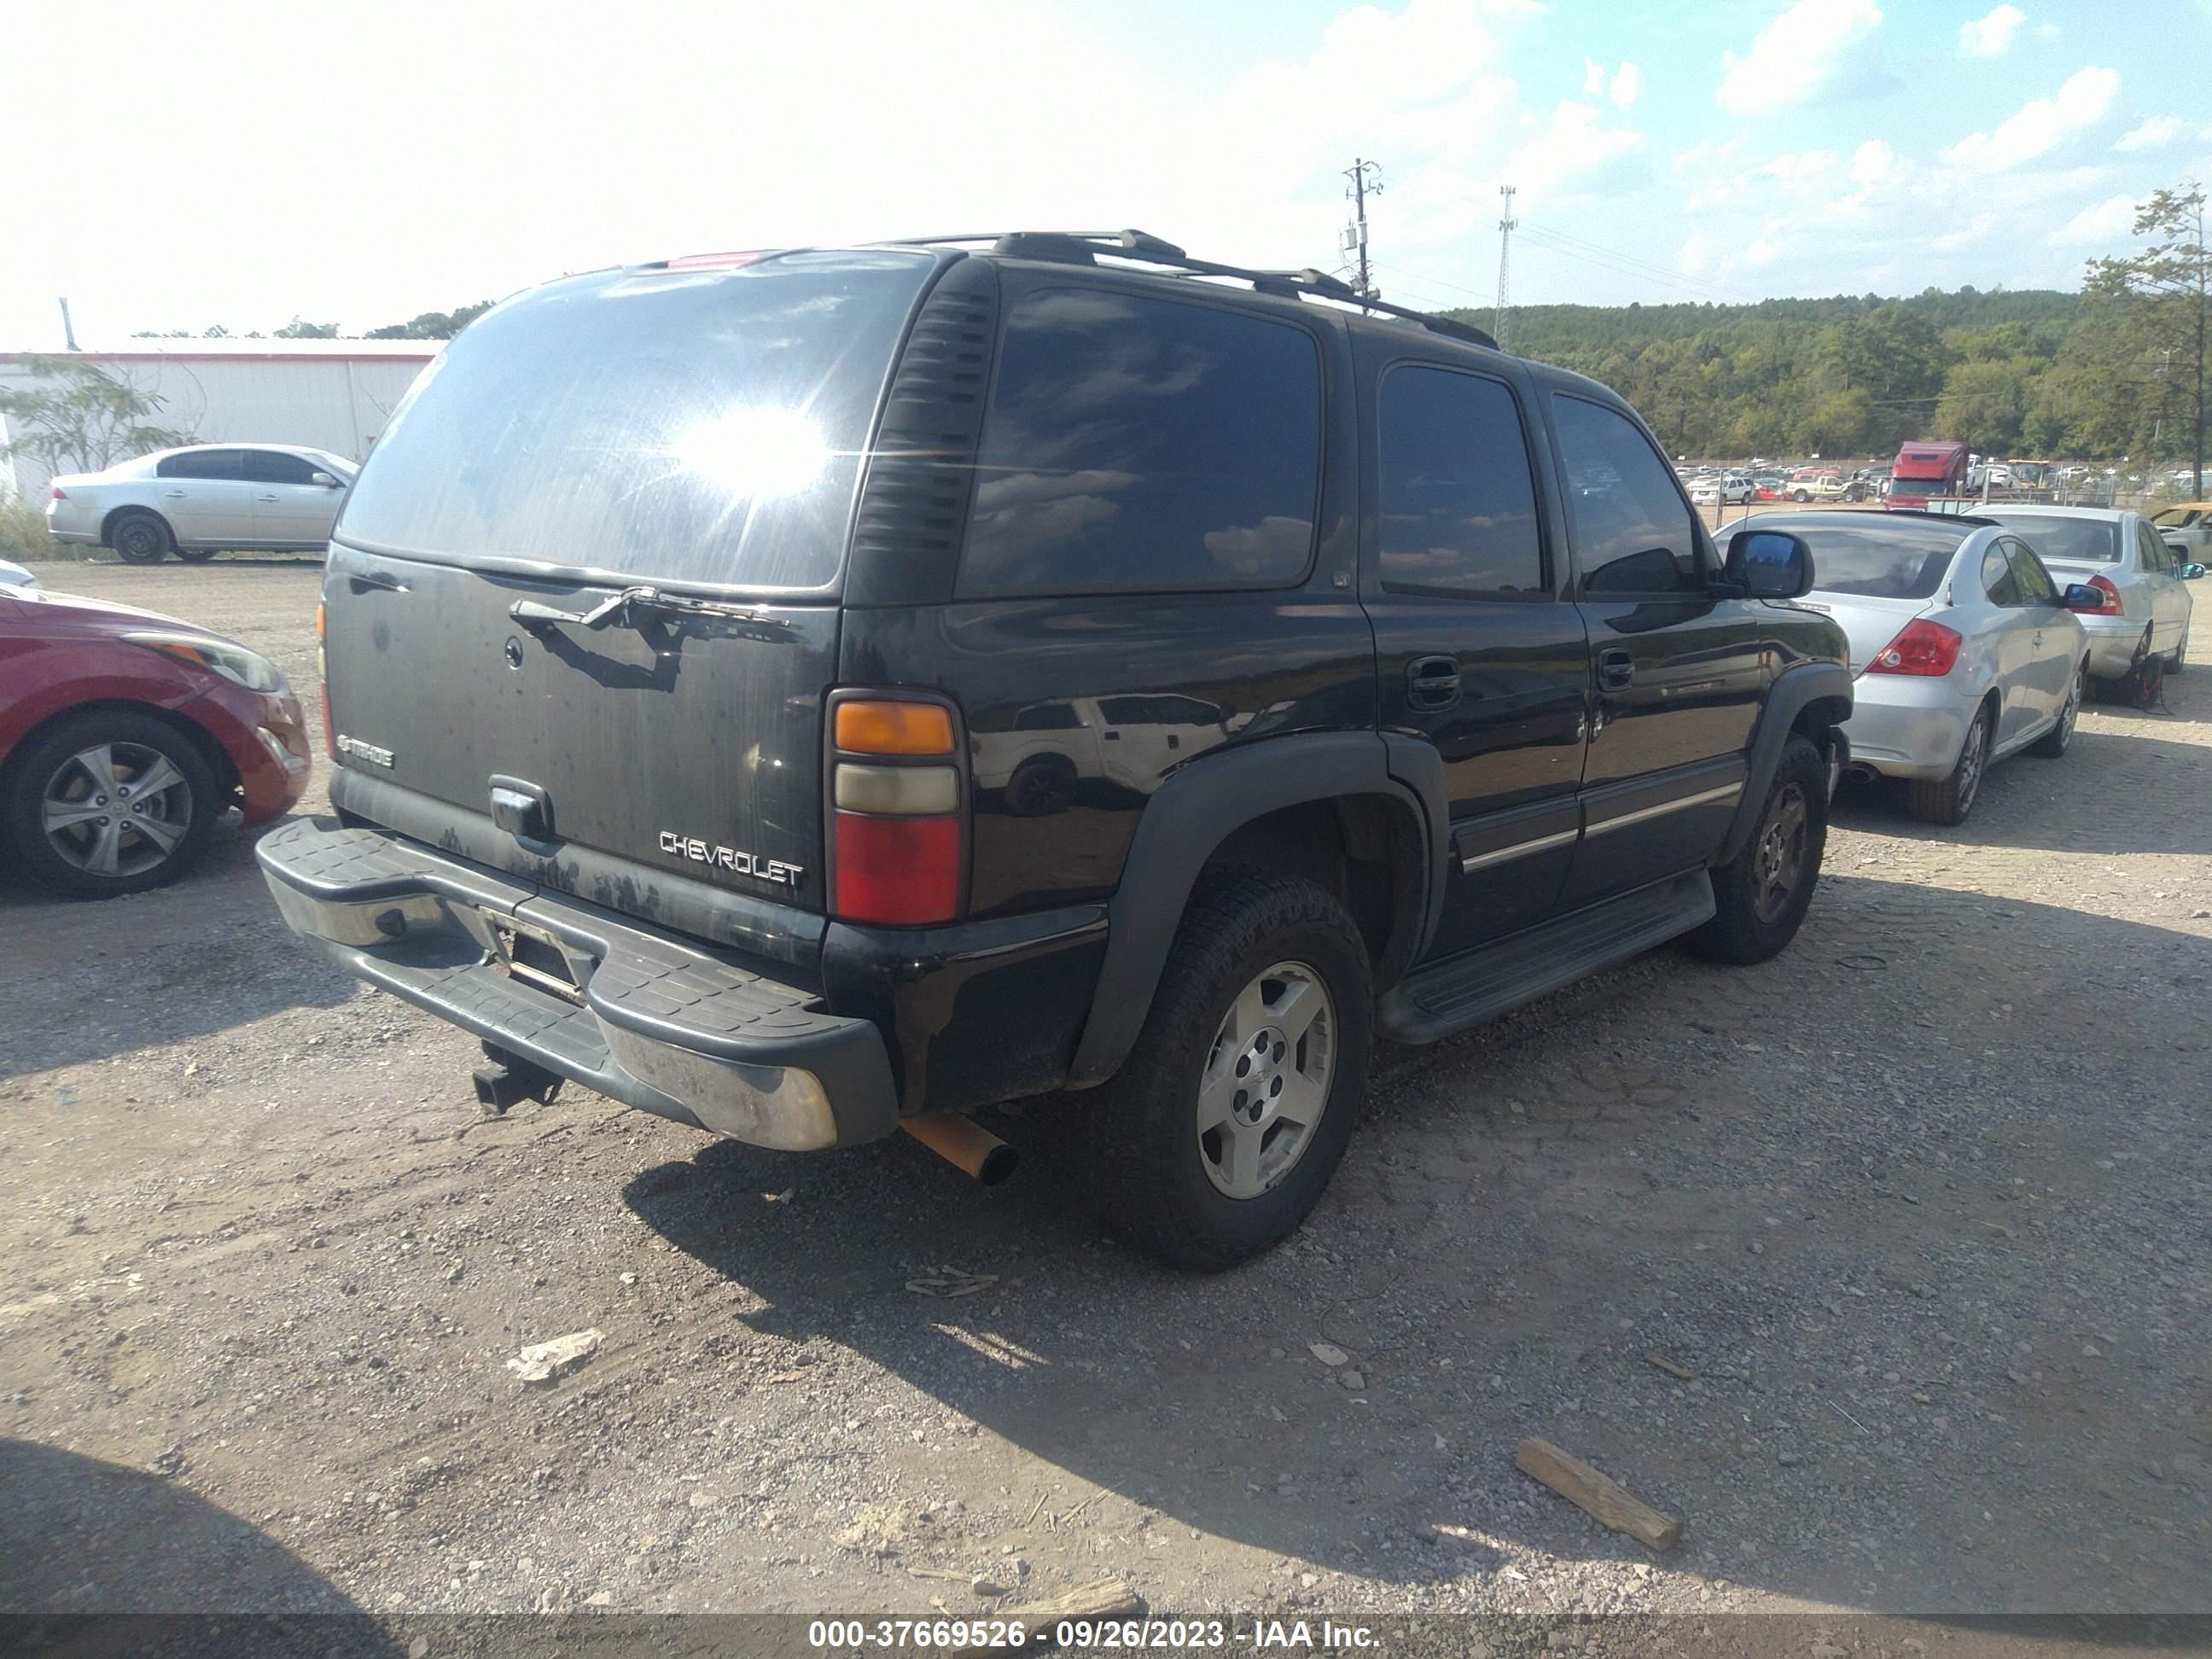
<point>966,1145</point>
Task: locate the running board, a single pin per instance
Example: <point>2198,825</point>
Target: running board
<point>1452,995</point>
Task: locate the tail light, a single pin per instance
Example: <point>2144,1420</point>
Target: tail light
<point>59,493</point>
<point>2109,602</point>
<point>898,841</point>
<point>1924,647</point>
<point>323,689</point>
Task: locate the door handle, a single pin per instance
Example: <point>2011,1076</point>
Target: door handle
<point>264,498</point>
<point>1432,681</point>
<point>174,494</point>
<point>1616,670</point>
<point>2039,636</point>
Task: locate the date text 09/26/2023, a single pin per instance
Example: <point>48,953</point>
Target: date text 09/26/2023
<point>1081,1635</point>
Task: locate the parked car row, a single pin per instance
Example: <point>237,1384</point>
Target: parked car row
<point>1974,637</point>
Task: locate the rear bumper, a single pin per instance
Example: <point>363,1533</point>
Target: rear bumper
<point>1903,726</point>
<point>2113,643</point>
<point>656,1024</point>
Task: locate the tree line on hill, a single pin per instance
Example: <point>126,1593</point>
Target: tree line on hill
<point>2116,370</point>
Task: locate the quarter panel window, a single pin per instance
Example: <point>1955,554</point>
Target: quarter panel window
<point>2154,550</point>
<point>1997,579</point>
<point>1135,445</point>
<point>1633,532</point>
<point>1458,495</point>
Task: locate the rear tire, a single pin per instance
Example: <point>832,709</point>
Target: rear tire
<point>1279,956</point>
<point>56,783</point>
<point>1759,899</point>
<point>2054,743</point>
<point>141,539</point>
<point>1948,800</point>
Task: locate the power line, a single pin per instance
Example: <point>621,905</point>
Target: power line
<point>1505,223</point>
<point>1658,272</point>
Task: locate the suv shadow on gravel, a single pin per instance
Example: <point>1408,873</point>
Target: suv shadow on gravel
<point>1913,1222</point>
<point>817,693</point>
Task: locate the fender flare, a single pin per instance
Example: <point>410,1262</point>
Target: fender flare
<point>1795,689</point>
<point>1194,811</point>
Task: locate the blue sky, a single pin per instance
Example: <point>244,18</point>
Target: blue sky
<point>360,164</point>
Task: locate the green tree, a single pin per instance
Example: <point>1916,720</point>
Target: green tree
<point>2164,287</point>
<point>300,329</point>
<point>432,324</point>
<point>76,416</point>
<point>1985,405</point>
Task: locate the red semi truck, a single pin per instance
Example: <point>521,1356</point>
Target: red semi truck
<point>1923,472</point>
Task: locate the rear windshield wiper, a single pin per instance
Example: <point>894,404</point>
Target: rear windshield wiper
<point>616,607</point>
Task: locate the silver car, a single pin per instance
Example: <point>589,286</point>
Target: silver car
<point>1964,650</point>
<point>2142,605</point>
<point>196,501</point>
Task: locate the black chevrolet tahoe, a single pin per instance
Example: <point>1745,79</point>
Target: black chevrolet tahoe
<point>813,693</point>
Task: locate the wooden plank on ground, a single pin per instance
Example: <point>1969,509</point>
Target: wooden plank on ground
<point>1599,1493</point>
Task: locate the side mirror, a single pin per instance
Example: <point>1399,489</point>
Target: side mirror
<point>1769,564</point>
<point>2080,596</point>
<point>325,479</point>
<point>2190,571</point>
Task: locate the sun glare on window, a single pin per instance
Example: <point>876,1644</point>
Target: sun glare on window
<point>752,452</point>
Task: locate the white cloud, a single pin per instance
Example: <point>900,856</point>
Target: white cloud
<point>1627,82</point>
<point>1593,78</point>
<point>1575,144</point>
<point>2040,125</point>
<point>1811,164</point>
<point>1991,36</point>
<point>1761,253</point>
<point>2100,224</point>
<point>1810,48</point>
<point>2155,133</point>
<point>1695,254</point>
<point>1875,163</point>
<point>2046,31</point>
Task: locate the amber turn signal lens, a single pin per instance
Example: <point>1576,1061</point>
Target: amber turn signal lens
<point>893,728</point>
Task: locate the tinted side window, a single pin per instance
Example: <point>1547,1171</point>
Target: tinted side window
<point>1458,497</point>
<point>273,466</point>
<point>2035,585</point>
<point>204,463</point>
<point>1632,532</point>
<point>1136,445</point>
<point>2154,550</point>
<point>1997,579</point>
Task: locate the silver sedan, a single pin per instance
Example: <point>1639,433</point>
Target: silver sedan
<point>1963,649</point>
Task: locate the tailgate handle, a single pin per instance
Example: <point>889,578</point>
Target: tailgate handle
<point>522,808</point>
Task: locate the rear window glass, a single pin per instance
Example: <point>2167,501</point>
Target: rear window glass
<point>2078,541</point>
<point>1873,556</point>
<point>1136,445</point>
<point>703,426</point>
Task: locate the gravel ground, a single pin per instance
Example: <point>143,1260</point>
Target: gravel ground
<point>1922,1205</point>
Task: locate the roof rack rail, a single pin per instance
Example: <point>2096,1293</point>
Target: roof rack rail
<point>1083,247</point>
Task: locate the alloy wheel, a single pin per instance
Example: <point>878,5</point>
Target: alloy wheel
<point>2070,711</point>
<point>116,809</point>
<point>1781,855</point>
<point>1266,1080</point>
<point>1971,763</point>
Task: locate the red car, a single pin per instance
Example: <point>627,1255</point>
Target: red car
<point>124,735</point>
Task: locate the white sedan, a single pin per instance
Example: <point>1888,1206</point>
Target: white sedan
<point>196,501</point>
<point>1963,649</point>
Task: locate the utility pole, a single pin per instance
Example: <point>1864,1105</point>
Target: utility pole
<point>68,332</point>
<point>1506,225</point>
<point>1355,233</point>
